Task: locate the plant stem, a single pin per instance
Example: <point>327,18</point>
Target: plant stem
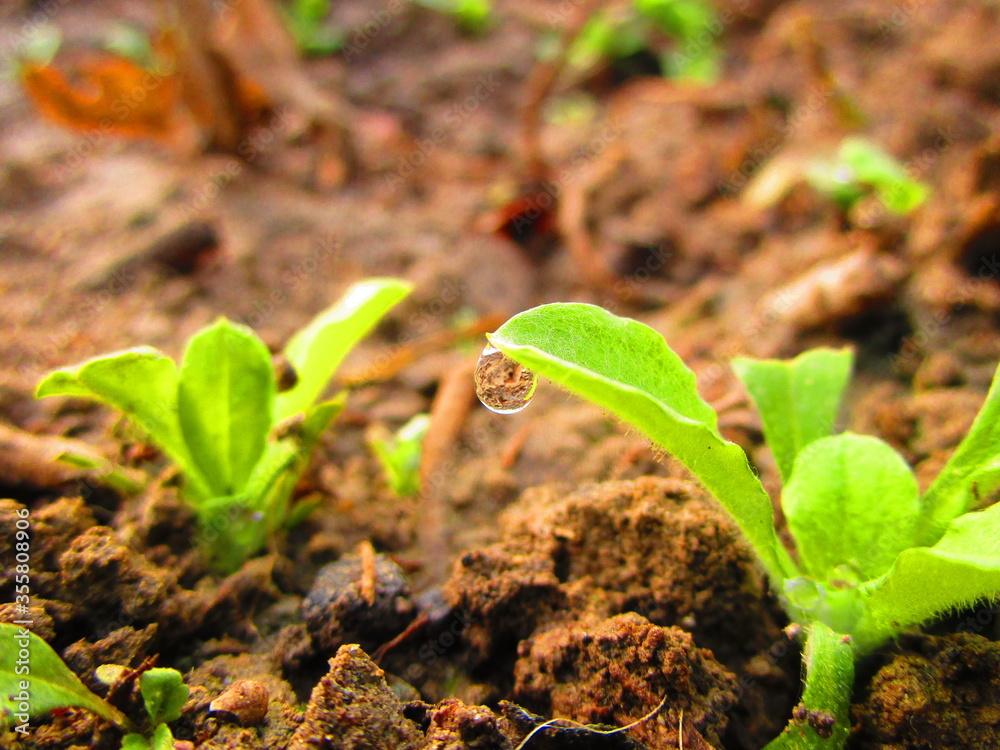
<point>821,721</point>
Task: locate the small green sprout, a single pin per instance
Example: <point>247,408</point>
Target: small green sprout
<point>874,556</point>
<point>239,443</point>
<point>307,21</point>
<point>691,25</point>
<point>472,16</point>
<point>164,695</point>
<point>860,168</point>
<point>400,454</point>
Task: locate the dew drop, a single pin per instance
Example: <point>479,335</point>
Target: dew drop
<point>502,384</point>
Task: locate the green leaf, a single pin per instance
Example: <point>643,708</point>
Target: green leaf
<point>976,460</point>
<point>400,455</point>
<point>627,368</point>
<point>225,398</point>
<point>135,742</point>
<point>798,399</point>
<point>829,663</point>
<point>163,738</point>
<point>317,420</point>
<point>164,693</point>
<point>927,582</point>
<point>34,678</point>
<point>318,349</point>
<point>852,500</point>
<point>874,167</point>
<point>141,382</point>
<point>236,526</point>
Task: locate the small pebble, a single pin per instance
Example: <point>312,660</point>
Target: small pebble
<point>246,700</point>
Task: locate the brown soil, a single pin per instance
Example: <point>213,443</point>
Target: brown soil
<point>589,579</point>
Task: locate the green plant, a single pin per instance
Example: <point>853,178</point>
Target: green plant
<point>874,556</point>
<point>34,681</point>
<point>692,25</point>
<point>239,442</point>
<point>400,454</point>
<point>306,19</point>
<point>472,16</point>
<point>859,168</point>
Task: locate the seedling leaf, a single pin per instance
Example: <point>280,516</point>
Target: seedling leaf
<point>977,459</point>
<point>225,398</point>
<point>318,349</point>
<point>626,367</point>
<point>829,663</point>
<point>141,382</point>
<point>51,684</point>
<point>797,399</point>
<point>164,693</point>
<point>400,455</point>
<point>926,582</point>
<point>852,500</point>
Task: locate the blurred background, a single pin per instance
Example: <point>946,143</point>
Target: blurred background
<point>748,176</point>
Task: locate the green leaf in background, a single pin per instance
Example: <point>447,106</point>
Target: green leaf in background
<point>225,399</point>
<point>164,693</point>
<point>927,582</point>
<point>627,368</point>
<point>797,400</point>
<point>307,20</point>
<point>852,500</point>
<point>50,683</point>
<point>141,382</point>
<point>872,166</point>
<point>400,455</point>
<point>829,680</point>
<point>473,16</point>
<point>976,461</point>
<point>318,349</point>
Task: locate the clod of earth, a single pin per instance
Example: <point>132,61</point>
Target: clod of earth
<point>336,610</point>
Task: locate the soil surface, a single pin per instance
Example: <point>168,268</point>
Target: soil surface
<point>554,565</point>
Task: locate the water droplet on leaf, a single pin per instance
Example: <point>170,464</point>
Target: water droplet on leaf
<point>502,384</point>
<point>804,593</point>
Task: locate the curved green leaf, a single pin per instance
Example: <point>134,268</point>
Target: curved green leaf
<point>164,693</point>
<point>976,460</point>
<point>626,367</point>
<point>225,397</point>
<point>28,665</point>
<point>853,501</point>
<point>141,382</point>
<point>318,349</point>
<point>927,582</point>
<point>797,400</point>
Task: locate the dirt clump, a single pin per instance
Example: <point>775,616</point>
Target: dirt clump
<point>658,547</point>
<point>618,670</point>
<point>338,609</point>
<point>109,582</point>
<point>943,695</point>
<point>353,704</point>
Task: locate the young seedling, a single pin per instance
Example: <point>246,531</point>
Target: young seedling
<point>163,694</point>
<point>691,25</point>
<point>239,442</point>
<point>860,168</point>
<point>874,557</point>
<point>307,21</point>
<point>472,16</point>
<point>400,454</point>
